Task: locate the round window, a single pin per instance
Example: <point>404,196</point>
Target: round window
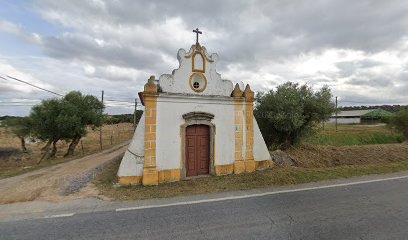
<point>198,82</point>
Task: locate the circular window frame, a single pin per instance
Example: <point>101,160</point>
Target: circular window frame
<point>201,89</point>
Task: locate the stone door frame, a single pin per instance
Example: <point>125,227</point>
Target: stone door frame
<point>197,118</point>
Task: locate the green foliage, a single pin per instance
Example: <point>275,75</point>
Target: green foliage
<point>122,118</point>
<point>77,112</point>
<point>44,117</point>
<point>347,138</point>
<point>65,118</point>
<point>400,122</point>
<point>286,115</point>
<point>19,126</point>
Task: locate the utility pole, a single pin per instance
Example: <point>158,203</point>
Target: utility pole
<point>100,129</point>
<point>336,113</point>
<point>134,115</point>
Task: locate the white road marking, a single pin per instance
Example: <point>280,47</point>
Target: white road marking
<point>61,215</point>
<point>258,194</point>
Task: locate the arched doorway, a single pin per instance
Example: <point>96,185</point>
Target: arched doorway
<point>197,150</point>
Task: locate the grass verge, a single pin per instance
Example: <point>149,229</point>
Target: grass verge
<point>260,179</point>
<point>347,135</point>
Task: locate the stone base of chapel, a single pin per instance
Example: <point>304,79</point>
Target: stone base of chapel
<point>239,167</point>
<point>150,176</point>
<point>250,165</point>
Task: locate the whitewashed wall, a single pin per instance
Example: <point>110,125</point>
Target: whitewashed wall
<point>178,81</point>
<point>169,119</point>
<point>355,120</point>
<point>261,152</point>
<point>133,160</point>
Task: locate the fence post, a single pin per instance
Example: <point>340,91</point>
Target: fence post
<point>82,147</point>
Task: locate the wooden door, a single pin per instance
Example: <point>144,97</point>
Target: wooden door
<point>197,150</point>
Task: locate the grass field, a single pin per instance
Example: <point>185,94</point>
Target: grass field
<point>354,135</point>
<point>13,161</point>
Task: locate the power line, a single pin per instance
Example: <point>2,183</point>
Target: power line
<point>25,102</point>
<point>16,105</point>
<point>32,85</point>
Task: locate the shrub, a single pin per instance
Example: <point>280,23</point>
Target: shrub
<point>400,122</point>
<point>288,114</point>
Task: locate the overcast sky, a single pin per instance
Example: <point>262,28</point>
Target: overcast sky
<point>358,48</point>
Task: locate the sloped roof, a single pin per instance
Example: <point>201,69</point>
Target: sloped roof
<point>353,113</point>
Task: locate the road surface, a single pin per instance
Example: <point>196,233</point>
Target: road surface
<point>371,210</point>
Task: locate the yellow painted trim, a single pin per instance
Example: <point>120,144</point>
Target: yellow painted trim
<point>191,84</point>
<point>183,153</point>
<point>214,147</point>
<point>193,69</point>
<point>224,169</point>
<point>239,167</point>
<point>250,165</point>
<point>265,164</point>
<point>171,175</point>
<point>130,180</point>
<point>151,86</point>
<point>150,174</point>
<point>238,131</point>
<point>249,138</point>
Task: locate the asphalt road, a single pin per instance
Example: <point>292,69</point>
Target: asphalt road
<point>377,210</point>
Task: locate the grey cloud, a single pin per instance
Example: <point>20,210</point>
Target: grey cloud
<point>252,31</point>
<point>357,98</point>
<point>73,46</point>
<point>377,81</point>
<point>348,68</point>
<point>254,35</point>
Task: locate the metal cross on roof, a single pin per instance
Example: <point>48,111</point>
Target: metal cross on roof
<point>197,32</point>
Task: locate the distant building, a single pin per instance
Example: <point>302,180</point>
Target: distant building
<point>369,116</point>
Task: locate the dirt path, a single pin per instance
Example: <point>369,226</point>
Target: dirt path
<point>60,182</point>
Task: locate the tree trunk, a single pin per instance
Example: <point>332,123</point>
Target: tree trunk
<point>72,146</point>
<point>50,152</point>
<point>23,146</point>
<point>46,145</point>
<point>54,149</point>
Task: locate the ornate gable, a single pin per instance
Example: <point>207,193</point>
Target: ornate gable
<point>196,74</point>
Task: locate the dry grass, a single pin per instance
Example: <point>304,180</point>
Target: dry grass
<point>311,156</point>
<point>260,179</point>
<point>14,162</point>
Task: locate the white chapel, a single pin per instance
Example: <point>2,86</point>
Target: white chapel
<point>194,123</point>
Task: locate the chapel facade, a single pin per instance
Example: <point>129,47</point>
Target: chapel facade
<point>194,123</point>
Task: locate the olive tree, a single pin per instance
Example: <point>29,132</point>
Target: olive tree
<point>45,125</point>
<point>400,122</point>
<point>286,115</point>
<point>21,128</point>
<point>78,112</point>
<point>65,119</point>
